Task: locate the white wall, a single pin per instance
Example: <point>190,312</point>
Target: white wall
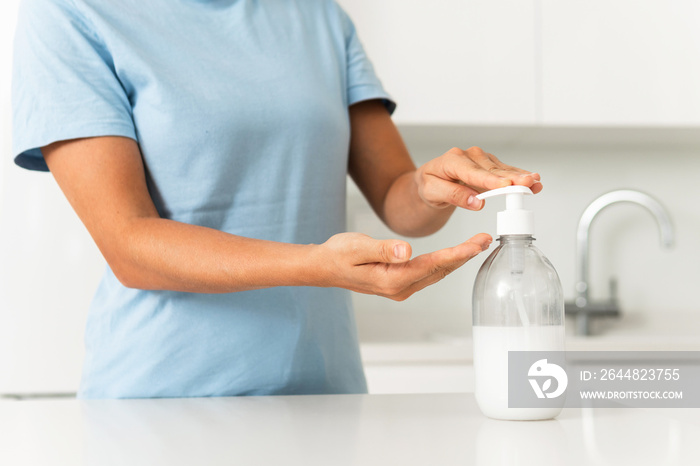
<point>624,238</point>
<point>49,267</point>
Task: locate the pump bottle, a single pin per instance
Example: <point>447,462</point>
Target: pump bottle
<point>518,305</point>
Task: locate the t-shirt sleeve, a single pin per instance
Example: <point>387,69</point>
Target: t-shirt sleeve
<point>363,83</point>
<point>64,84</point>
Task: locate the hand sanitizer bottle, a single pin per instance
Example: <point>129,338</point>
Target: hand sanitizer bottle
<point>518,305</point>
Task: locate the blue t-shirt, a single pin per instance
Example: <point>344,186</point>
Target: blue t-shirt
<point>240,109</point>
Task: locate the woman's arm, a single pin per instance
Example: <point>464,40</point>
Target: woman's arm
<point>104,180</point>
<point>419,202</point>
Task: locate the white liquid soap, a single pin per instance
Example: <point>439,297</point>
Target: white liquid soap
<point>491,346</point>
<point>518,305</point>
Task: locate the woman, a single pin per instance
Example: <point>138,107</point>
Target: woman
<point>205,146</point>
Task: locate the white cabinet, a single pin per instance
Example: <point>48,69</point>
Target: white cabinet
<point>536,62</point>
<point>419,378</point>
<point>452,61</point>
<point>418,366</point>
<point>622,62</point>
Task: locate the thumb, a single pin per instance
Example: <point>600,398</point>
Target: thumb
<point>390,251</point>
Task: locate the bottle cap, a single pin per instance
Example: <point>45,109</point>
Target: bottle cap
<point>514,220</point>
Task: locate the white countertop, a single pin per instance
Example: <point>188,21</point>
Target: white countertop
<point>632,332</point>
<point>460,350</point>
<point>445,429</point>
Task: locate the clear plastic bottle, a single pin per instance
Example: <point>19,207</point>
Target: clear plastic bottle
<point>518,305</point>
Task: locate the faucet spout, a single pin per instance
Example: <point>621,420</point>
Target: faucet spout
<point>582,245</point>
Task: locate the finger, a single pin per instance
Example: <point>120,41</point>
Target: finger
<point>496,161</point>
<point>429,280</point>
<point>463,168</point>
<point>447,264</point>
<point>439,193</point>
<point>522,179</point>
<point>426,265</point>
<point>517,175</point>
<point>484,171</point>
<point>531,180</point>
<point>536,187</point>
<point>390,251</point>
<point>466,250</point>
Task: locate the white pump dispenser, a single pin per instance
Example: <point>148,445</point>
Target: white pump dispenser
<point>515,220</point>
<point>517,305</point>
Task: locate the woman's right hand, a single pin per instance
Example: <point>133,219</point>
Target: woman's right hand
<point>384,267</point>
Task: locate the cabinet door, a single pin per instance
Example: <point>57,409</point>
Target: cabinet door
<point>622,62</point>
<point>452,61</point>
<point>420,378</point>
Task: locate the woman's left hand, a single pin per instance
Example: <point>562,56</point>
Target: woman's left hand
<point>456,177</point>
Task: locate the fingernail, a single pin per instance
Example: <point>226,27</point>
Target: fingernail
<point>400,251</point>
<point>486,245</point>
<point>473,201</point>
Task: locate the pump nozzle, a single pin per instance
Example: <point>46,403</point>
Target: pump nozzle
<point>514,189</point>
<point>514,220</point>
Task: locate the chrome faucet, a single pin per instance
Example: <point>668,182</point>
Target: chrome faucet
<point>582,308</point>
